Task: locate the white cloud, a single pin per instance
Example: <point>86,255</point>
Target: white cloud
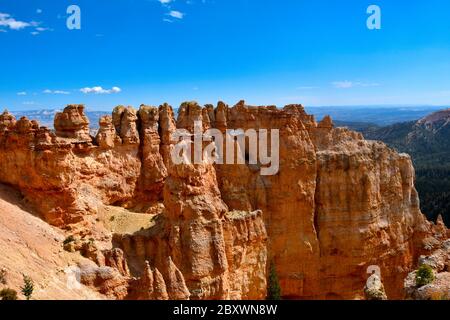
<point>48,91</point>
<point>350,84</point>
<point>167,20</point>
<point>176,14</point>
<point>342,84</point>
<point>22,93</point>
<point>38,10</point>
<point>9,22</point>
<point>38,30</point>
<point>29,103</point>
<point>100,90</point>
<point>165,1</point>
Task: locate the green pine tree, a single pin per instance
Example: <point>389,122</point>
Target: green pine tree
<point>28,287</point>
<point>273,287</point>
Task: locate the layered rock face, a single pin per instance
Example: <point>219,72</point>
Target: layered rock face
<point>199,250</point>
<point>72,123</point>
<point>64,175</point>
<point>337,206</point>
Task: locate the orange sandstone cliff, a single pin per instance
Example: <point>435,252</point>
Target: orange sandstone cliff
<point>338,205</point>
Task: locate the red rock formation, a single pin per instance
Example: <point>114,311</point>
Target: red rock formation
<point>338,204</point>
<point>106,280</point>
<point>72,123</point>
<point>150,286</point>
<point>213,253</point>
<point>7,121</point>
<point>107,137</point>
<point>115,258</point>
<point>154,171</point>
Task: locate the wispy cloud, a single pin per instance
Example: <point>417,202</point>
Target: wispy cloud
<point>167,4</point>
<point>39,30</point>
<point>38,10</point>
<point>342,84</point>
<point>21,93</point>
<point>176,14</point>
<point>100,90</point>
<point>48,91</point>
<point>7,21</point>
<point>351,84</point>
<point>307,87</point>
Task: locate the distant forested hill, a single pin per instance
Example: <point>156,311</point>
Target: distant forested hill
<point>428,142</point>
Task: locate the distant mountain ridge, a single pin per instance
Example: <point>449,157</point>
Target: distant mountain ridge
<point>427,140</point>
<point>440,118</point>
<point>377,115</point>
<point>357,117</point>
<point>45,116</point>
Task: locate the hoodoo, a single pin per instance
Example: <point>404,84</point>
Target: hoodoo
<point>154,229</point>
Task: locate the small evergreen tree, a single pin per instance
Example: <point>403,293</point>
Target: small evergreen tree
<point>68,240</point>
<point>424,275</point>
<point>8,294</point>
<point>273,287</point>
<point>28,287</point>
<point>3,277</point>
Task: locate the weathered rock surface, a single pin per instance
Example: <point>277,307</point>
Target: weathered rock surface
<point>374,289</point>
<point>32,247</point>
<point>439,288</point>
<point>150,286</point>
<point>154,170</point>
<point>72,123</point>
<point>106,280</point>
<point>338,205</point>
<point>107,137</point>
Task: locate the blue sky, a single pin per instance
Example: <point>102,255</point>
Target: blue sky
<point>264,51</point>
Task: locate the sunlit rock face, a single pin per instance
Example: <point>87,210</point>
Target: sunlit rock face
<point>337,206</point>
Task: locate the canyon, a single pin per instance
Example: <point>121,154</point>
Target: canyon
<point>146,228</point>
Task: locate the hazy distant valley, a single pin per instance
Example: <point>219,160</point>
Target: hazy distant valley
<point>356,117</point>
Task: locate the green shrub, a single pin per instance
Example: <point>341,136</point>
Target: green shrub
<point>8,294</point>
<point>68,240</point>
<point>28,287</point>
<point>273,286</point>
<point>3,276</point>
<point>424,275</point>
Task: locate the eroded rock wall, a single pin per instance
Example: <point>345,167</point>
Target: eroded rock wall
<point>337,206</point>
